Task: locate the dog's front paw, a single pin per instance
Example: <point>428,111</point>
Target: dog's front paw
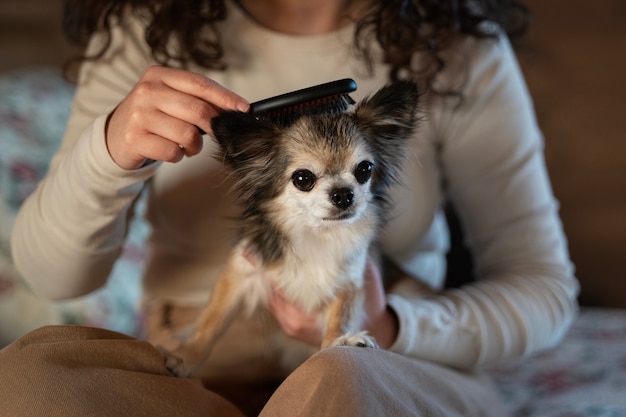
<point>360,339</point>
<point>174,364</point>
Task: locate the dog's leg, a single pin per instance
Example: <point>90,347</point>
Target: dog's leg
<point>213,321</point>
<point>344,317</point>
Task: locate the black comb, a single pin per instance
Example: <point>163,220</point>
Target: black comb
<point>324,98</point>
<point>327,98</point>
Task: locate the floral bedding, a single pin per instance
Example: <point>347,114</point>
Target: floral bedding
<point>584,376</point>
<point>34,106</point>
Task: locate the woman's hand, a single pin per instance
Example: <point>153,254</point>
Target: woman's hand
<point>295,322</point>
<point>159,118</point>
<point>380,321</point>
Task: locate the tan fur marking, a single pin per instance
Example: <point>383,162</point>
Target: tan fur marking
<point>213,321</point>
<point>341,315</point>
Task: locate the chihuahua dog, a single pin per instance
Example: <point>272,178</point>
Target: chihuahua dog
<point>313,198</point>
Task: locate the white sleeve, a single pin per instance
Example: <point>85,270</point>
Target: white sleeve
<point>69,232</point>
<point>492,162</point>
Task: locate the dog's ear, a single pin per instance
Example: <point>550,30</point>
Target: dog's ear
<point>243,138</point>
<point>388,119</point>
<point>391,112</point>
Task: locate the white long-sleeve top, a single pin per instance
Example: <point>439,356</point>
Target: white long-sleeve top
<point>484,153</point>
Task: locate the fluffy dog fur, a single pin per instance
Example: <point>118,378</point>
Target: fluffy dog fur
<point>313,197</point>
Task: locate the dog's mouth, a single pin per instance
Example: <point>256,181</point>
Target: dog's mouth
<point>344,215</point>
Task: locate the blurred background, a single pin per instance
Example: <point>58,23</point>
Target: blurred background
<point>30,34</point>
<point>574,59</point>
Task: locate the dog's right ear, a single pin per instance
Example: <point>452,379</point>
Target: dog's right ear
<point>243,139</point>
<point>389,118</point>
<point>391,113</point>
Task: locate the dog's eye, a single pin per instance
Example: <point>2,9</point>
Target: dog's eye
<point>363,171</point>
<point>303,179</point>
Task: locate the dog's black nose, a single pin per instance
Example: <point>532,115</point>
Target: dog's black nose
<point>342,197</point>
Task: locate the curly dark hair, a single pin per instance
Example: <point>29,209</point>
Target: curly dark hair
<point>401,27</point>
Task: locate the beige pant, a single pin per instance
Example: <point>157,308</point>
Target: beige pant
<point>79,371</point>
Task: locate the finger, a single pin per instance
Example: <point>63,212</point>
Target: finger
<point>277,306</point>
<point>374,290</point>
<point>142,123</point>
<point>149,95</point>
<point>190,109</point>
<point>157,148</point>
<point>175,130</point>
<point>283,313</point>
<point>201,87</point>
<point>295,322</point>
<point>381,322</point>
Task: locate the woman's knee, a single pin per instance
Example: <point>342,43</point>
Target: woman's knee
<point>343,364</point>
<point>374,382</point>
<point>115,374</point>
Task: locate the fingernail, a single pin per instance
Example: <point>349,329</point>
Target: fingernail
<point>242,106</point>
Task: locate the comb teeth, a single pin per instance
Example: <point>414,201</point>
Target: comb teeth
<point>286,116</point>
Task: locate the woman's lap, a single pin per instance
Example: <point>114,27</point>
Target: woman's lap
<point>72,371</point>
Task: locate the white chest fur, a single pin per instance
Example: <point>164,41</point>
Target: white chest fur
<point>315,267</point>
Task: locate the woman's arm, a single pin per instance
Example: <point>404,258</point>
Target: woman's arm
<point>492,159</point>
<point>69,233</point>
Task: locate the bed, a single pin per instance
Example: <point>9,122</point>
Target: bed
<point>584,376</point>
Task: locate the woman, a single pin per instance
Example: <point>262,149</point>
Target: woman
<point>133,127</point>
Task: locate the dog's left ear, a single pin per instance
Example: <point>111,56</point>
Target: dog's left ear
<point>388,119</point>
